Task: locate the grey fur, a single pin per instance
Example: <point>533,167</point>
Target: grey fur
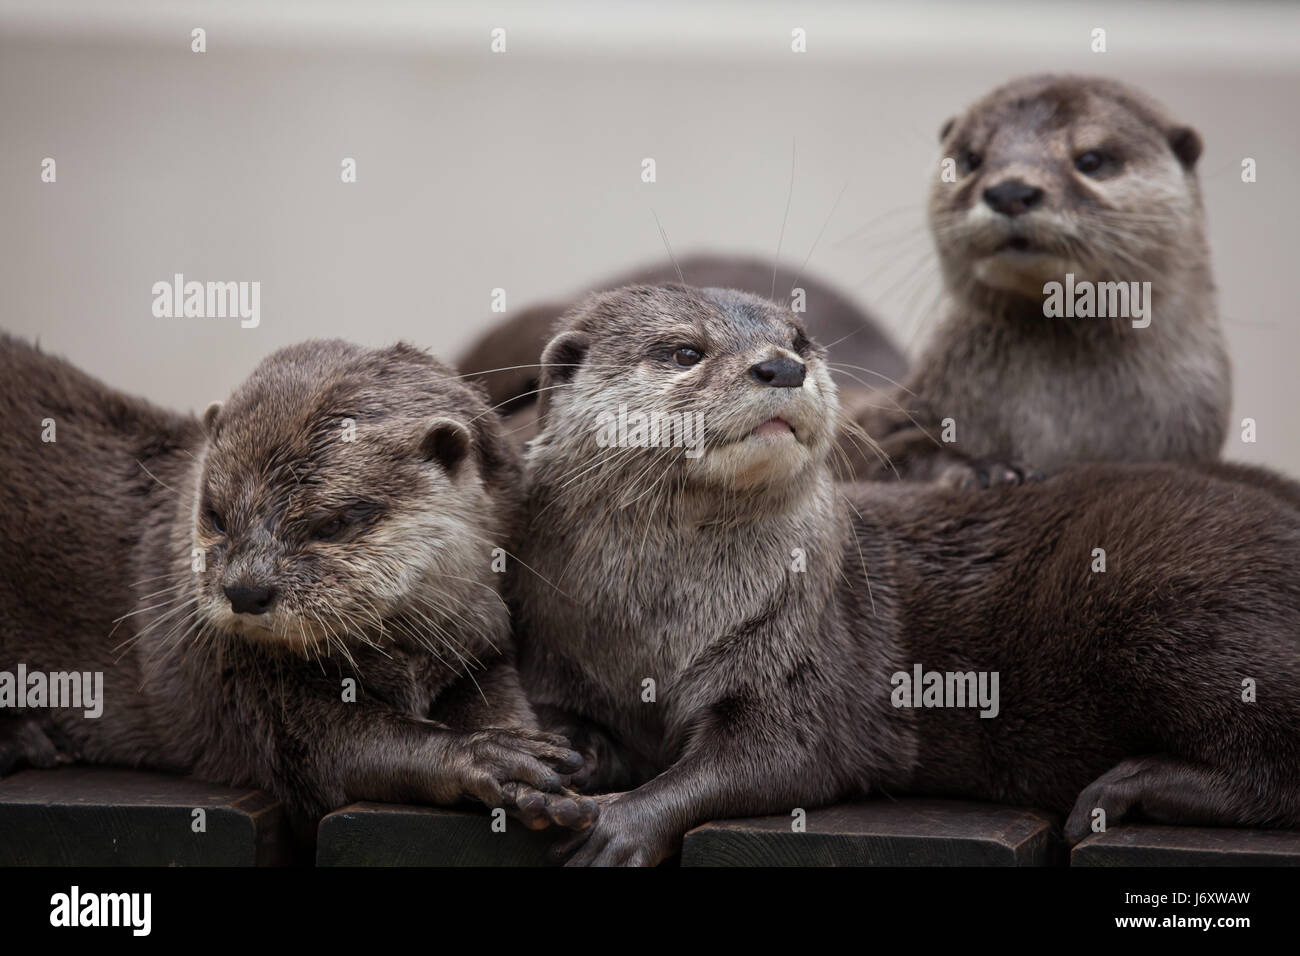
<point>1120,690</point>
<point>505,357</point>
<point>1038,391</point>
<point>100,525</point>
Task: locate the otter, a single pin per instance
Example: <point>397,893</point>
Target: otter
<point>735,633</point>
<point>505,357</point>
<point>1068,180</point>
<point>294,593</point>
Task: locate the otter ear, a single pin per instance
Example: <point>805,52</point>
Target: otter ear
<point>210,416</point>
<point>946,128</point>
<point>560,361</point>
<point>447,442</point>
<point>1186,144</point>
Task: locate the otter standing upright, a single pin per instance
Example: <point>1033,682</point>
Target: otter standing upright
<point>1088,184</point>
<point>294,594</point>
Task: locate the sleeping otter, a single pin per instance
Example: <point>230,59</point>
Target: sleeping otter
<point>294,594</point>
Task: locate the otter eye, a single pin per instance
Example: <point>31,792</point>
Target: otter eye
<point>1090,162</point>
<point>214,519</point>
<point>686,356</point>
<point>970,161</point>
<point>329,530</point>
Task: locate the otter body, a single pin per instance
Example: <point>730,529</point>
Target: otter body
<point>273,600</point>
<point>774,609</point>
<point>1056,177</point>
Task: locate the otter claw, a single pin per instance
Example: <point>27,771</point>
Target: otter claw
<point>987,473</point>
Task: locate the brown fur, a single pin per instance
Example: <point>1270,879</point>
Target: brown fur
<point>1041,392</point>
<point>96,574</point>
<point>1119,690</point>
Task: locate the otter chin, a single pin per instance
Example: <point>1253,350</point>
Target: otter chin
<point>279,630</point>
<point>1022,271</point>
<point>769,454</point>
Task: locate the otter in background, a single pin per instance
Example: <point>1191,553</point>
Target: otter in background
<point>506,357</point>
<point>728,634</point>
<point>294,594</point>
<point>1057,175</point>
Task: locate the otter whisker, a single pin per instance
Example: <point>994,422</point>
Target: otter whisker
<point>158,621</point>
<point>669,248</point>
<point>789,195</point>
<point>455,649</point>
<point>879,375</point>
<point>156,478</point>
<point>893,211</point>
<point>806,259</point>
<point>515,398</point>
<point>516,558</point>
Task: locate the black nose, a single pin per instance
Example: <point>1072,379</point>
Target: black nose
<point>779,373</point>
<point>245,600</point>
<point>1013,197</point>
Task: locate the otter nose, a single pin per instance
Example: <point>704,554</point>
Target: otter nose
<point>246,600</point>
<point>1013,197</point>
<point>779,373</point>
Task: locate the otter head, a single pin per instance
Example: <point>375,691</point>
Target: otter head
<point>341,487</point>
<point>651,389</point>
<point>1058,174</point>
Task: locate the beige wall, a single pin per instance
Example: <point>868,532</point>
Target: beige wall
<point>521,171</point>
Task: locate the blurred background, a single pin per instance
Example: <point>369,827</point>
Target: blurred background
<point>522,170</point>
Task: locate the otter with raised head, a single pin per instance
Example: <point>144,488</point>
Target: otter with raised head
<point>732,633</point>
<point>295,593</point>
<point>505,358</point>
<point>1089,184</point>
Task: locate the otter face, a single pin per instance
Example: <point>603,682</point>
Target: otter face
<point>342,486</point>
<point>659,388</point>
<point>1063,174</point>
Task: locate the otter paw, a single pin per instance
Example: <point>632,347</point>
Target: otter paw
<point>539,810</point>
<point>23,743</point>
<point>490,759</point>
<point>620,837</point>
<point>987,473</point>
<point>1115,793</point>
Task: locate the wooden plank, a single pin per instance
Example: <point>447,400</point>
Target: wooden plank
<point>101,816</point>
<point>1151,845</point>
<point>911,832</point>
<point>382,834</point>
